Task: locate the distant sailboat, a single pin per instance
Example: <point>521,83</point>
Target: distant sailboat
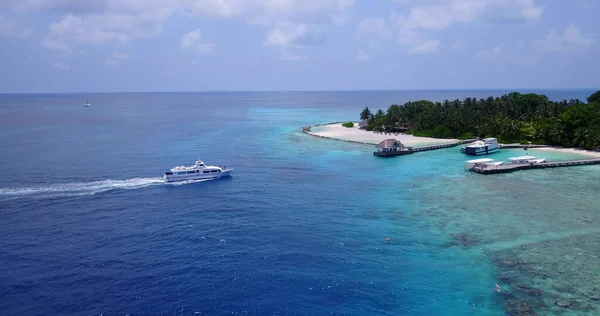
<point>87,104</point>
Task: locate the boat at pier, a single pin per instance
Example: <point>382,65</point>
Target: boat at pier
<point>482,162</point>
<point>481,147</point>
<point>526,159</point>
<point>198,171</point>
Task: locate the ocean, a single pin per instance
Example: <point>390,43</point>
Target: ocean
<point>89,228</point>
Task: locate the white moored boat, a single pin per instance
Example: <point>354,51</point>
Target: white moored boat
<point>198,171</point>
<point>526,159</point>
<point>481,147</point>
<point>482,162</point>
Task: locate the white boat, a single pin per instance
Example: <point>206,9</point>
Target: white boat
<point>481,147</point>
<point>526,159</point>
<point>198,171</point>
<point>87,104</point>
<point>482,162</point>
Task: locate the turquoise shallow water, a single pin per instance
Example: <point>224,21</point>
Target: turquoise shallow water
<point>299,229</point>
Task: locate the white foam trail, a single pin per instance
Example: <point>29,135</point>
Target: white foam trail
<point>178,183</point>
<point>80,188</point>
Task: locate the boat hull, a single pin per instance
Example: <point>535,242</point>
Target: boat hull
<point>483,150</point>
<point>197,176</point>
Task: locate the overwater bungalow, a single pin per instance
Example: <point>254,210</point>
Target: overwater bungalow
<point>392,147</point>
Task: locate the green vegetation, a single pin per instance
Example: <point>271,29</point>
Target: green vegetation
<point>348,124</point>
<point>512,118</point>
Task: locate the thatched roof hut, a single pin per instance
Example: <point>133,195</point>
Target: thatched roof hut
<point>363,124</point>
<point>392,147</point>
<point>390,144</point>
<point>401,127</point>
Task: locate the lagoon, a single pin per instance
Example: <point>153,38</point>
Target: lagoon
<point>300,228</point>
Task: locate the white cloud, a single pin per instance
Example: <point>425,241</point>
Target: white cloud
<point>9,28</point>
<point>115,59</point>
<point>426,47</point>
<point>447,13</point>
<point>298,35</point>
<point>291,22</point>
<point>294,23</point>
<point>519,53</point>
<point>194,39</point>
<point>91,7</point>
<point>103,21</point>
<point>289,36</point>
<point>434,15</point>
<point>268,12</point>
<point>528,53</point>
<point>570,40</point>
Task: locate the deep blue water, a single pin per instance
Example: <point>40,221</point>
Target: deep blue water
<point>88,227</point>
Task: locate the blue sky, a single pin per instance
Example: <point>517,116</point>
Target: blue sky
<point>199,45</point>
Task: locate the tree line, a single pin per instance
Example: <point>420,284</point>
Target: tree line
<point>513,117</point>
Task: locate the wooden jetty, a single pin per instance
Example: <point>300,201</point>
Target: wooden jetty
<point>392,147</point>
<point>508,146</point>
<point>487,169</point>
<point>434,147</point>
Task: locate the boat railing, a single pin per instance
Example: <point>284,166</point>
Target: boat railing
<point>484,165</point>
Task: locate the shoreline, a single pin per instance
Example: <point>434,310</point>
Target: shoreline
<point>589,153</point>
<point>334,131</point>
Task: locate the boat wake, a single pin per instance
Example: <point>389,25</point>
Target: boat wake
<point>178,183</point>
<point>83,188</point>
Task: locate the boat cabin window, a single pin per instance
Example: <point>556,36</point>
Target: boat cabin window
<point>168,173</point>
<point>213,171</point>
<point>219,170</point>
<point>205,171</point>
<point>193,171</point>
<point>181,172</point>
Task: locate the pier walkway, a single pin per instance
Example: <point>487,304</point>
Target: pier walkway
<point>486,169</point>
<point>434,147</point>
<point>392,152</point>
<point>522,146</point>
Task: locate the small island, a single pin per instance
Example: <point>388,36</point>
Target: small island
<point>513,118</point>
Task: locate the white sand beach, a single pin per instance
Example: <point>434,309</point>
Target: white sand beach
<point>589,153</point>
<point>337,131</point>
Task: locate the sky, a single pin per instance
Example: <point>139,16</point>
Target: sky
<point>224,45</point>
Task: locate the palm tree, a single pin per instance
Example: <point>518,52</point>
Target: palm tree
<point>596,141</point>
<point>366,114</point>
<point>580,137</point>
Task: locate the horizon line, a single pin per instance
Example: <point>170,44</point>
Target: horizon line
<point>333,90</point>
